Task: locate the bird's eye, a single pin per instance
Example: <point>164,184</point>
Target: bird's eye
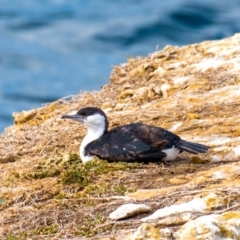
<point>82,113</point>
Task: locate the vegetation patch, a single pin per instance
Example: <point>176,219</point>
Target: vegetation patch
<point>70,170</point>
<point>20,236</point>
<point>90,227</point>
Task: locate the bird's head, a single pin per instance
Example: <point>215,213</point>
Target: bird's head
<point>91,117</point>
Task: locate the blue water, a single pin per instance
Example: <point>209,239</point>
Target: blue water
<point>55,48</point>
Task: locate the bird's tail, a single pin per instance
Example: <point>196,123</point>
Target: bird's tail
<point>192,147</point>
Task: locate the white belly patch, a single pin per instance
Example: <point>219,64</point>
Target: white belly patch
<point>172,153</point>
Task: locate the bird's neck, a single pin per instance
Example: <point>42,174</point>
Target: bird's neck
<point>93,134</point>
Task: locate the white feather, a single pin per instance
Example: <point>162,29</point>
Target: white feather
<point>96,126</point>
<point>172,153</point>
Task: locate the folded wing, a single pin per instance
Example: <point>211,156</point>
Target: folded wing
<point>121,144</point>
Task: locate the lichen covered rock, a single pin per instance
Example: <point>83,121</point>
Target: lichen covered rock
<point>224,226</point>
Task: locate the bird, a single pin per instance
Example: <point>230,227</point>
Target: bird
<point>133,142</point>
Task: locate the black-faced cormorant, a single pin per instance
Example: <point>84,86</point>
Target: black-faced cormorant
<point>134,142</point>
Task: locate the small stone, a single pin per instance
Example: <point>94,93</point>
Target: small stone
<point>215,226</point>
<point>146,231</point>
<point>129,210</point>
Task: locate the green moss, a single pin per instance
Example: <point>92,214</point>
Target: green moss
<point>71,170</point>
<point>89,180</point>
<point>85,173</point>
<point>89,227</point>
<point>121,189</point>
<point>61,195</point>
<point>93,190</point>
<point>42,174</point>
<point>46,230</point>
<point>73,174</point>
<point>3,204</point>
<point>9,159</point>
<point>51,167</point>
<point>20,236</point>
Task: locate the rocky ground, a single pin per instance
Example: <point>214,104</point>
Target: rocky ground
<point>194,91</point>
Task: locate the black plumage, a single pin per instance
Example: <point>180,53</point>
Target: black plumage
<point>135,142</point>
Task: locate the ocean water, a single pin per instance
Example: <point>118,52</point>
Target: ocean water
<point>54,48</point>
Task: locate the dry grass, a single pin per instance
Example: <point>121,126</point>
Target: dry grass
<point>46,192</point>
<point>77,202</point>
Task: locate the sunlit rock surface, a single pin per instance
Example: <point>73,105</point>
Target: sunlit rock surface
<point>194,91</point>
<point>129,210</point>
<point>197,205</point>
<point>146,231</point>
<point>217,226</point>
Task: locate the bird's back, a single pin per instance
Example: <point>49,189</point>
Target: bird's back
<point>133,142</point>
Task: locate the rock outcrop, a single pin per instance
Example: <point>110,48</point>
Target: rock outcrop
<point>194,91</point>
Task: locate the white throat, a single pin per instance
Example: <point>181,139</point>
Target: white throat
<point>96,126</point>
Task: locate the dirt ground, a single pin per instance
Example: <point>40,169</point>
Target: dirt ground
<point>78,199</point>
<point>47,193</point>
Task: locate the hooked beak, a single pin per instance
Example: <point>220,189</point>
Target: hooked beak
<point>75,117</point>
